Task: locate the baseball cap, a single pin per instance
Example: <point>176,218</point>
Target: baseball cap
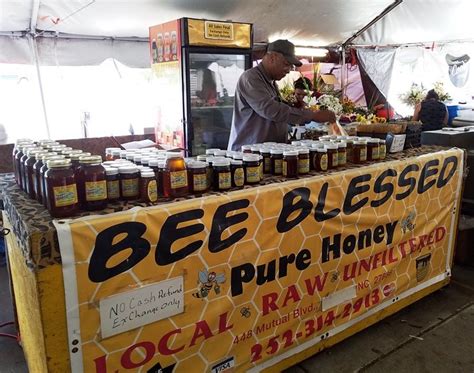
<point>286,48</point>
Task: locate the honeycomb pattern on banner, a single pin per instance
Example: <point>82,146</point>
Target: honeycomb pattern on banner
<point>416,216</point>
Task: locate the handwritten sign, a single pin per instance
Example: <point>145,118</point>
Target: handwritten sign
<point>219,30</point>
<point>130,310</point>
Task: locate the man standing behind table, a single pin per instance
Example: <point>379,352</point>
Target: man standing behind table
<point>259,115</point>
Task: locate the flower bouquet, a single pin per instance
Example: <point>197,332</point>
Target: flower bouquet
<point>414,95</point>
<point>443,95</point>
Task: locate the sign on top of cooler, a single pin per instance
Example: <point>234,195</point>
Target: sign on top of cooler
<point>218,34</point>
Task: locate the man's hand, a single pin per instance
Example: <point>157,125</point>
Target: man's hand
<point>324,116</point>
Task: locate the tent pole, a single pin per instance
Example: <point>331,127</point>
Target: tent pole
<point>343,72</point>
<point>374,21</point>
<point>34,48</point>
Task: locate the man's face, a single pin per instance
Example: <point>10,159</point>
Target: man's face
<point>281,66</point>
<point>300,95</point>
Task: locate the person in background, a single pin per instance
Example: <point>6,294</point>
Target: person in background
<point>302,86</point>
<point>431,112</point>
<point>384,110</point>
<point>259,114</point>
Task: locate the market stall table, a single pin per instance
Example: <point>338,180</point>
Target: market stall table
<point>290,267</point>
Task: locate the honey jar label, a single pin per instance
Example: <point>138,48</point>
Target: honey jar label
<point>224,180</point>
<point>65,195</point>
<point>239,177</point>
<point>334,159</point>
<point>341,159</point>
<point>130,187</point>
<point>363,154</point>
<point>152,191</point>
<point>278,166</point>
<point>96,190</point>
<point>199,182</point>
<point>383,151</point>
<point>113,189</point>
<point>349,154</point>
<point>324,162</point>
<point>253,174</point>
<point>267,165</point>
<point>260,171</point>
<point>375,152</point>
<point>284,170</point>
<point>178,179</point>
<point>303,166</point>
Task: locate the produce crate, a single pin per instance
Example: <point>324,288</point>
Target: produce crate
<point>396,128</point>
<point>413,132</point>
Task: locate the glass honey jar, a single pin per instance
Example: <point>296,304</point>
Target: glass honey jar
<point>175,178</point>
<point>91,183</point>
<point>303,161</point>
<point>321,160</point>
<point>359,152</point>
<point>382,149</point>
<point>332,151</point>
<point>30,175</point>
<point>197,177</point>
<point>148,186</point>
<point>129,182</point>
<point>112,179</point>
<point>290,164</point>
<point>61,189</point>
<point>341,153</point>
<point>237,173</point>
<point>276,157</point>
<point>43,170</point>
<point>221,176</point>
<point>251,168</point>
<point>373,153</point>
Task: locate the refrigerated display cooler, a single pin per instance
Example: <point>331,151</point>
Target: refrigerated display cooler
<point>196,65</point>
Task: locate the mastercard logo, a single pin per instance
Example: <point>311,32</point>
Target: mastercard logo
<point>388,289</point>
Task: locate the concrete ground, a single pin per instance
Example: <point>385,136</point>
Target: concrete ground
<point>435,334</point>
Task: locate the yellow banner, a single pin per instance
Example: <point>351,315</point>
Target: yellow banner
<point>243,280</point>
<point>219,34</point>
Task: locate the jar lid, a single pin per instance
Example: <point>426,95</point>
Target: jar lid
<point>111,171</point>
<point>303,151</point>
<point>238,156</point>
<point>211,151</point>
<point>49,156</point>
<point>296,143</point>
<point>31,151</point>
<point>59,146</point>
<point>90,159</point>
<point>110,150</point>
<point>373,141</point>
<point>38,155</point>
<point>229,153</point>
<point>236,162</point>
<point>290,153</point>
<point>321,150</point>
<point>147,173</point>
<point>276,151</point>
<point>220,162</point>
<point>360,142</point>
<point>73,151</point>
<point>153,162</point>
<point>170,155</point>
<point>342,144</point>
<point>66,149</point>
<point>251,158</point>
<point>264,150</point>
<point>145,159</point>
<point>220,153</point>
<point>245,147</point>
<point>137,157</point>
<point>317,145</point>
<point>129,169</point>
<point>201,158</point>
<point>382,141</point>
<point>130,156</point>
<point>255,148</point>
<point>197,164</point>
<point>116,151</point>
<point>56,163</point>
<point>330,146</point>
<point>161,163</point>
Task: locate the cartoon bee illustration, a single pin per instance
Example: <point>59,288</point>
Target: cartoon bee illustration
<point>334,276</point>
<point>208,281</point>
<point>408,223</point>
<point>245,312</point>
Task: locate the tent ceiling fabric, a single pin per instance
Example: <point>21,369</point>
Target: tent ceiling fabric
<point>305,22</point>
<point>422,21</point>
